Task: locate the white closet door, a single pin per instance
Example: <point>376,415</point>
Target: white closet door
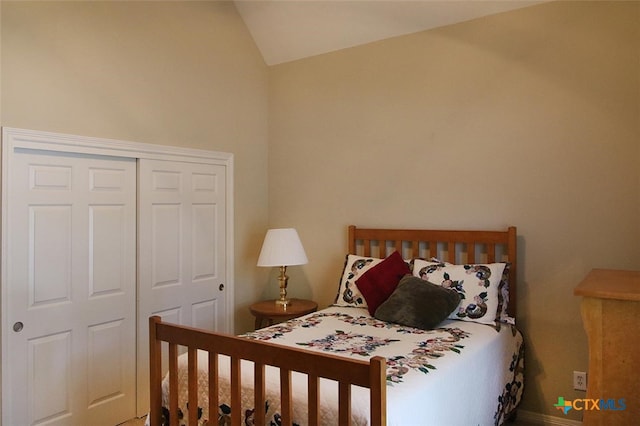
<point>71,290</point>
<point>182,251</point>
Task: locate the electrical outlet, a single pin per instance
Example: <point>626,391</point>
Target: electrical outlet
<point>580,380</point>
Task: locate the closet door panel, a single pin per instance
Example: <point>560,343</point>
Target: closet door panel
<point>182,250</point>
<point>70,344</point>
<point>204,258</point>
<point>49,256</point>
<point>107,250</point>
<point>165,246</point>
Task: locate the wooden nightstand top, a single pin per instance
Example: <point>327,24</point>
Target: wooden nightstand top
<point>270,311</point>
<point>269,308</point>
<point>610,284</point>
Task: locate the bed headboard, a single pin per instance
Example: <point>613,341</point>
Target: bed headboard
<point>449,246</point>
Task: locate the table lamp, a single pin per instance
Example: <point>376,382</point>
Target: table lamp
<point>282,247</point>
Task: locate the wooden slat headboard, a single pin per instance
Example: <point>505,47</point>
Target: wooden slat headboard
<point>449,246</point>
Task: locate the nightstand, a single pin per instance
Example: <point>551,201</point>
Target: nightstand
<point>271,312</point>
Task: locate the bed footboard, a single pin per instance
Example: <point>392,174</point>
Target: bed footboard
<point>346,372</point>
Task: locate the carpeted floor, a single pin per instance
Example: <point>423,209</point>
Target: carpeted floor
<point>134,422</point>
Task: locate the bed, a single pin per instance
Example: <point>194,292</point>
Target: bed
<point>363,360</point>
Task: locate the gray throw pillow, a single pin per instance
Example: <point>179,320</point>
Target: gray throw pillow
<point>418,303</point>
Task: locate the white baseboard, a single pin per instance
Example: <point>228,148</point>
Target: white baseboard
<point>543,419</point>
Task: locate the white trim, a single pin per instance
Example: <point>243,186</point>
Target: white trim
<point>529,417</point>
<point>33,139</point>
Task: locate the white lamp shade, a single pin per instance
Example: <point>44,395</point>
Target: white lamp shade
<point>282,247</point>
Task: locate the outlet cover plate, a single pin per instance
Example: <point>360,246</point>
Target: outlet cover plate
<point>580,380</point>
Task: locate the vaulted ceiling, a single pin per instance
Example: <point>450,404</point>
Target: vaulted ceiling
<point>286,30</point>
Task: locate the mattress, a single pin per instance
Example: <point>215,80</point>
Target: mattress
<point>460,373</point>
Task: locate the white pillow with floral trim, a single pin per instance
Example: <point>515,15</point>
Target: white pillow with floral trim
<point>503,289</point>
<point>477,284</point>
<point>354,267</point>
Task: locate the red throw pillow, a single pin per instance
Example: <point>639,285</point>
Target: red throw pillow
<point>377,284</point>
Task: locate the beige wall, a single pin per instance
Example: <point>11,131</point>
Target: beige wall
<point>170,73</point>
<point>528,118</point>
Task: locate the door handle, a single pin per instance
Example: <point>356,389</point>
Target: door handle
<point>18,326</point>
<point>221,287</point>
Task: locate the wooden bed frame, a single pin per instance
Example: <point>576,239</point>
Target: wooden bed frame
<point>451,246</point>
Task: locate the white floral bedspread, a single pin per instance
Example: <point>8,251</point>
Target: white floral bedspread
<point>461,373</point>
